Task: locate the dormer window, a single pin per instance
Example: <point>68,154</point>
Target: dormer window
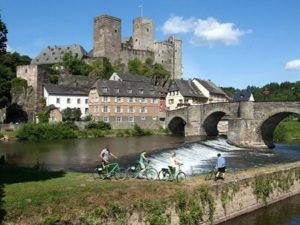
<point>129,91</point>
<point>141,91</point>
<point>117,90</point>
<point>151,92</point>
<point>104,89</point>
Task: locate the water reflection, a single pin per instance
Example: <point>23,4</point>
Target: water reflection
<point>286,212</point>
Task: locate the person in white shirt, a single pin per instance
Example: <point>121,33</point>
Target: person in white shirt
<point>105,154</point>
<point>173,163</point>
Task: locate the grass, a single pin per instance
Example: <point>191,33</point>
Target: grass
<point>287,131</point>
<point>34,194</point>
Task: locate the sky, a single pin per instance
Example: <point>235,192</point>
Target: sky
<point>234,43</point>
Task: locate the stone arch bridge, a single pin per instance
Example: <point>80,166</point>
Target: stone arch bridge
<point>250,124</point>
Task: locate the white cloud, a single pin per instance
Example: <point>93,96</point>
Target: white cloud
<point>293,65</point>
<point>177,24</point>
<point>205,32</point>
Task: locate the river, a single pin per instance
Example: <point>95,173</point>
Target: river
<point>198,156</point>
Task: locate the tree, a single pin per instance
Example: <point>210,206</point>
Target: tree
<point>3,37</point>
<point>71,114</point>
<point>75,66</point>
<point>135,66</point>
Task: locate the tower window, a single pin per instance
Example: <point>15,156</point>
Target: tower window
<point>116,31</point>
<point>136,40</point>
<point>147,29</point>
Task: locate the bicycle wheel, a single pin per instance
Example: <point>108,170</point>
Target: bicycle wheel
<point>151,173</point>
<point>97,173</point>
<point>120,174</point>
<point>163,175</point>
<point>180,176</point>
<point>131,172</point>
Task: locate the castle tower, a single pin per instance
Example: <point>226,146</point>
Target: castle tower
<point>177,57</point>
<point>107,37</point>
<point>142,34</point>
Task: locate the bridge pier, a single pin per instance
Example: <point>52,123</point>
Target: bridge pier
<point>242,133</point>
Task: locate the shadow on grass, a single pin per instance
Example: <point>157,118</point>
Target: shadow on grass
<point>10,174</point>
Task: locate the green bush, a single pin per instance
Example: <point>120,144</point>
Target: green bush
<point>100,125</point>
<point>138,131</point>
<point>43,131</point>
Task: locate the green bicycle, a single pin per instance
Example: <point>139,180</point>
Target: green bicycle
<point>135,171</point>
<point>109,171</point>
<point>167,175</point>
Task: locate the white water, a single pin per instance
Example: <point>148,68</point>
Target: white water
<point>197,157</point>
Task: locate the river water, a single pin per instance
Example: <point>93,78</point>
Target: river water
<point>197,155</point>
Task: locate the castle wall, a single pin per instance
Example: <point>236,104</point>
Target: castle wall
<point>164,54</point>
<point>130,54</point>
<point>107,37</point>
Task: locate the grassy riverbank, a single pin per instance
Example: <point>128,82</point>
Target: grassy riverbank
<point>35,196</point>
<point>287,131</point>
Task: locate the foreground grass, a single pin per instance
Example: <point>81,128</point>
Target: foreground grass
<point>36,196</point>
<point>42,196</point>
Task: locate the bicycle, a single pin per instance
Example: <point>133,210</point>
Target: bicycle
<point>167,175</point>
<point>136,171</point>
<point>108,171</point>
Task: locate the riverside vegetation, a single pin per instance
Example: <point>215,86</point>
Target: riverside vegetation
<point>37,196</point>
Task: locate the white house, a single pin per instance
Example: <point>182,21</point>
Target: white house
<point>183,93</point>
<point>212,92</point>
<point>64,97</point>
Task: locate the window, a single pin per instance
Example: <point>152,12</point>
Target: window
<point>86,101</point>
<point>118,99</point>
<point>104,89</point>
<point>78,100</point>
<point>141,91</point>
<point>57,100</point>
<point>118,109</point>
<point>131,99</point>
<point>105,99</point>
<point>171,101</point>
<point>129,91</point>
<point>105,109</point>
<point>106,119</point>
<point>131,109</point>
<point>143,100</point>
<point>86,110</point>
<point>68,100</point>
<point>117,90</point>
<point>143,118</point>
<point>131,119</point>
<point>143,109</point>
<point>152,92</point>
<point>154,100</point>
<point>119,119</point>
<point>180,101</point>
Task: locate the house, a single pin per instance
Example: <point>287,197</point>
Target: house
<point>243,96</point>
<point>54,114</point>
<point>183,93</point>
<point>130,78</point>
<point>123,103</point>
<point>212,92</point>
<point>64,97</point>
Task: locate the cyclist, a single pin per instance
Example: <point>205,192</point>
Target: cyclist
<point>142,160</point>
<point>173,162</point>
<point>105,154</point>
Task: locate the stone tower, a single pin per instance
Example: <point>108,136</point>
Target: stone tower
<point>142,34</point>
<point>107,37</point>
<point>177,58</point>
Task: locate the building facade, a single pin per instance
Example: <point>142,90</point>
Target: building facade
<point>66,97</point>
<point>123,103</point>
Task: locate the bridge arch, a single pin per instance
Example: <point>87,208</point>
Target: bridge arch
<point>210,122</point>
<point>176,125</point>
<point>268,125</point>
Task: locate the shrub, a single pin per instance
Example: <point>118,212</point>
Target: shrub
<point>138,131</point>
<point>100,125</point>
<point>43,131</point>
